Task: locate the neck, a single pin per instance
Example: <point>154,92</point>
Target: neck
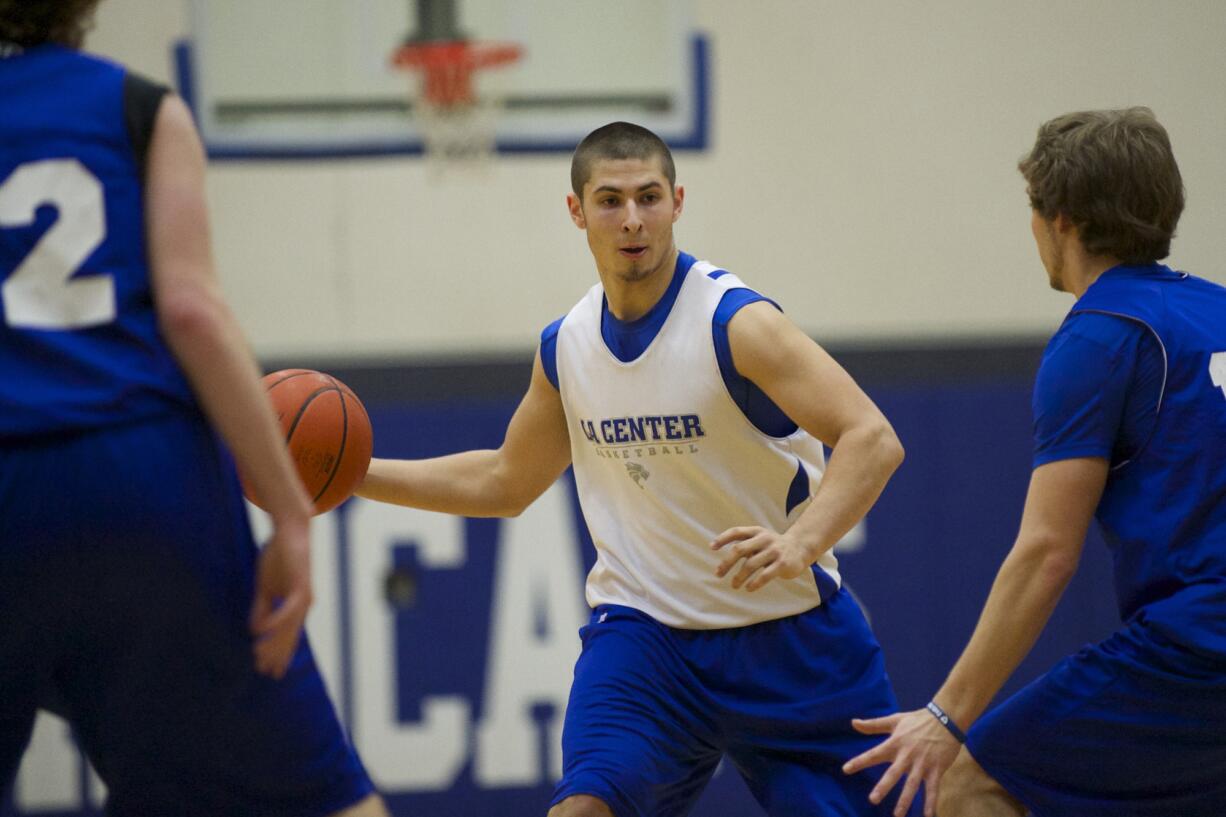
<point>1083,270</point>
<point>631,299</point>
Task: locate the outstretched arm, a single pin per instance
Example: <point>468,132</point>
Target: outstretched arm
<point>207,342</point>
<point>491,482</point>
<point>820,397</point>
<point>1059,506</point>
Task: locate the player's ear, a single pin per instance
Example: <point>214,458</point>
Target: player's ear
<point>576,211</point>
<point>678,201</point>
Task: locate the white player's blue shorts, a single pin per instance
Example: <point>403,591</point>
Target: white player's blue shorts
<point>653,709</point>
<point>1134,726</point>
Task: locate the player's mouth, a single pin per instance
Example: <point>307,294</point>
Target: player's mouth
<point>635,252</point>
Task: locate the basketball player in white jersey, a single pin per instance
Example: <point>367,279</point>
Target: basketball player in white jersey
<point>694,413</point>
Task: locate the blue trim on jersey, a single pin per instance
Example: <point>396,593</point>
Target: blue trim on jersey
<point>751,400</point>
<point>549,351</point>
<point>715,275</point>
<point>627,340</point>
<point>1150,375</point>
<point>798,491</point>
<point>826,586</point>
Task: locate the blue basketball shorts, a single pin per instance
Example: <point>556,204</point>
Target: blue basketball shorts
<point>127,571</point>
<point>653,709</point>
<point>1134,726</point>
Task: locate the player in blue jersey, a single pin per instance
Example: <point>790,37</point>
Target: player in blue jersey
<point>693,412</point>
<point>1130,427</point>
<point>133,600</point>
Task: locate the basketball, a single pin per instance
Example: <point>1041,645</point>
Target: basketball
<point>327,430</point>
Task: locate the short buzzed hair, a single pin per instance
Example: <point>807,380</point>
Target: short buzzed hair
<point>29,23</point>
<point>1113,175</point>
<point>618,140</point>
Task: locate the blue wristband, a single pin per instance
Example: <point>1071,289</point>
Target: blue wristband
<point>946,721</point>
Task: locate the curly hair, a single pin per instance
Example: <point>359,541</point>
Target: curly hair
<point>34,22</point>
<point>1113,174</point>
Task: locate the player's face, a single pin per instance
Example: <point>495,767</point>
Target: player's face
<point>1049,251</point>
<point>628,210</point>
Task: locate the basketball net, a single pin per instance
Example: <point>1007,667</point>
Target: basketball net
<point>458,124</point>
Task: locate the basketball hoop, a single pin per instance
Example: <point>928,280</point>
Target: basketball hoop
<point>457,123</point>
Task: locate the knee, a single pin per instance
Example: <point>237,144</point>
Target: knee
<point>581,805</point>
<point>964,785</point>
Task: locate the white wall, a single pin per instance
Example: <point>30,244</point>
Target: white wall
<point>862,173</point>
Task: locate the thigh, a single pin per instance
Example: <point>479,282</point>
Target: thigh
<point>35,597</point>
<point>156,673</point>
<point>792,687</point>
<point>15,730</point>
<point>967,789</point>
<point>1131,726</point>
<point>638,734</point>
<point>24,666</point>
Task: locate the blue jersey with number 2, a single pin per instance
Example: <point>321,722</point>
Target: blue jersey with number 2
<point>79,342</point>
<point>1152,400</point>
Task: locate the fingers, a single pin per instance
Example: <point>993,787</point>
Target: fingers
<point>886,783</point>
<point>908,794</point>
<point>754,564</point>
<point>277,637</point>
<point>877,726</point>
<point>881,753</point>
<point>741,550</point>
<point>261,607</point>
<point>931,790</point>
<point>911,752</point>
<point>279,616</point>
<point>733,535</point>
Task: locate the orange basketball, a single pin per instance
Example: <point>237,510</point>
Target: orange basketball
<point>327,430</point>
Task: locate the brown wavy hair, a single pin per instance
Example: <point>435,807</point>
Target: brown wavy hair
<point>35,22</point>
<point>1113,174</point>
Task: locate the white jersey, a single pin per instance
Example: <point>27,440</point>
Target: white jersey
<point>665,461</point>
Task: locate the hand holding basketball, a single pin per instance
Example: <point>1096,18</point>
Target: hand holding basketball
<point>327,430</point>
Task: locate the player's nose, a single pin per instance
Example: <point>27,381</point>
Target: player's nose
<point>632,222</point>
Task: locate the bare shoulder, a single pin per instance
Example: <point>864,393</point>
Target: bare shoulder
<point>175,139</point>
<point>174,116</point>
<point>762,336</point>
<point>759,317</point>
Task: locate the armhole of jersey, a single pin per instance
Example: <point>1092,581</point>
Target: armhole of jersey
<point>759,409</point>
<point>142,98</point>
<point>549,351</point>
<point>1166,371</point>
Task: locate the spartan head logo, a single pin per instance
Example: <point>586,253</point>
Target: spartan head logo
<point>637,473</point>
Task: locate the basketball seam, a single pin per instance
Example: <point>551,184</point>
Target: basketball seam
<point>289,435</point>
<point>276,383</point>
<point>340,454</point>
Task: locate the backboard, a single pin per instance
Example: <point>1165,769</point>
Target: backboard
<point>315,79</point>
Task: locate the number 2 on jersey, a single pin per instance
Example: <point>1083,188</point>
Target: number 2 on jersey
<point>41,293</point>
<point>1217,370</point>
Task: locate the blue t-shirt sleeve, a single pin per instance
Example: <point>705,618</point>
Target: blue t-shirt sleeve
<point>549,351</point>
<point>1082,392</point>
